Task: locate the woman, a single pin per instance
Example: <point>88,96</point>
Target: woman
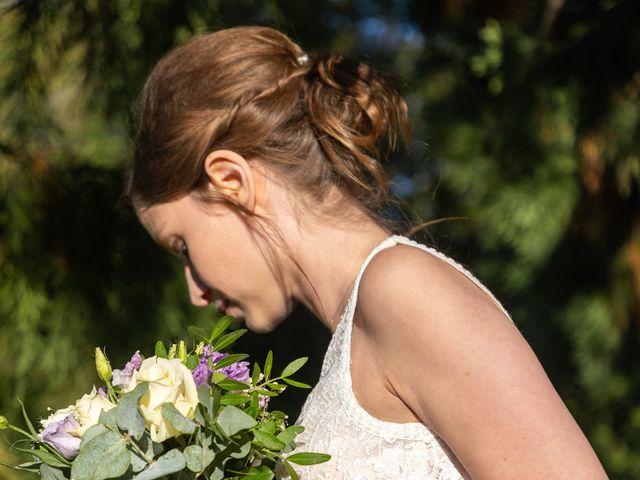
<point>258,166</point>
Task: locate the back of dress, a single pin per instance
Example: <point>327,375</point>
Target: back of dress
<point>362,446</point>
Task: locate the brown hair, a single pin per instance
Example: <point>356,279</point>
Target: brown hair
<point>320,120</point>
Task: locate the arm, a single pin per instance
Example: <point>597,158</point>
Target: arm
<point>466,371</point>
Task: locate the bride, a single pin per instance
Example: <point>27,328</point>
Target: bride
<point>258,166</point>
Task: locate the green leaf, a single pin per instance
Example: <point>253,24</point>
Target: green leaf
<point>26,419</point>
<point>269,426</point>
<point>160,350</point>
<point>178,421</point>
<point>308,458</point>
<point>192,361</point>
<point>91,432</point>
<point>290,470</point>
<point>229,359</point>
<point>27,466</point>
<point>294,366</point>
<point>171,462</point>
<point>268,363</point>
<point>228,339</point>
<point>50,473</point>
<point>217,377</point>
<point>255,374</point>
<point>228,384</point>
<point>104,456</point>
<point>197,333</point>
<point>259,476</point>
<point>127,414</point>
<point>219,328</point>
<point>47,457</point>
<point>296,383</point>
<point>289,434</point>
<point>234,399</point>
<point>268,440</point>
<point>232,420</point>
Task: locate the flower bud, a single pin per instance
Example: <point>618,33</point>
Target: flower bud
<point>172,351</point>
<point>4,423</point>
<point>182,352</point>
<point>103,366</point>
<point>200,348</point>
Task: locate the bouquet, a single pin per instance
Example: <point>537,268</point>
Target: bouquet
<point>177,414</point>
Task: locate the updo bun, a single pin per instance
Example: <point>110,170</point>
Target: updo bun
<point>319,120</point>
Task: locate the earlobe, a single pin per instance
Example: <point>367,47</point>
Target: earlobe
<point>231,175</point>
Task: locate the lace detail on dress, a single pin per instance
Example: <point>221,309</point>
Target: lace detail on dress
<point>362,446</point>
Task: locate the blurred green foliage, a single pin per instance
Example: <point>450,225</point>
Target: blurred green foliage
<point>526,123</point>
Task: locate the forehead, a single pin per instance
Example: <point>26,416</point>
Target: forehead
<point>157,219</point>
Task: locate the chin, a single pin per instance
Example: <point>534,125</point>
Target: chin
<point>261,324</point>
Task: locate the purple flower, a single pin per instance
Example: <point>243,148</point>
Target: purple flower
<point>102,391</point>
<point>263,401</point>
<point>202,374</point>
<point>122,378</point>
<point>238,371</point>
<point>56,433</point>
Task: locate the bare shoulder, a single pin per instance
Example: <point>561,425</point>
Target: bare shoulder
<point>404,279</point>
<point>460,364</point>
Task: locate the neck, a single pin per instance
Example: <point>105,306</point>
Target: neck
<point>328,259</point>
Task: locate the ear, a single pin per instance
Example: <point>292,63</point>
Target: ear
<point>231,175</point>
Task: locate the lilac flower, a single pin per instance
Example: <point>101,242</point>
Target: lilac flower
<point>202,374</point>
<point>56,433</point>
<point>238,371</point>
<point>122,378</point>
<point>102,391</point>
<point>263,401</point>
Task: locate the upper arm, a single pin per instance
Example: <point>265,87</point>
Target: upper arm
<point>464,369</point>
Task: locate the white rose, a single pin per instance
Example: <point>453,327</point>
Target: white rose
<point>169,382</point>
<point>88,409</point>
<point>86,412</point>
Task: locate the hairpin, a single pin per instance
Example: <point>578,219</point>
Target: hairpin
<point>303,59</point>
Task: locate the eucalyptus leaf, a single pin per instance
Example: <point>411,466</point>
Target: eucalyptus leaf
<point>232,420</point>
<point>294,366</point>
<point>171,462</point>
<point>104,456</point>
<point>108,418</point>
<point>92,432</point>
<point>127,414</point>
<point>308,458</point>
<point>241,449</point>
<point>178,421</point>
<point>198,458</point>
<point>50,473</point>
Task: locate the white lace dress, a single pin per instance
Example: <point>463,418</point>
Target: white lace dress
<point>361,446</point>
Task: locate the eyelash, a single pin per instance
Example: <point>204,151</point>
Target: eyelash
<point>184,254</point>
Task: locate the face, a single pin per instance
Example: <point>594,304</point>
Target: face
<point>226,263</point>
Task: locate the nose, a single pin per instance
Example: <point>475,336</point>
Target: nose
<point>199,294</point>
